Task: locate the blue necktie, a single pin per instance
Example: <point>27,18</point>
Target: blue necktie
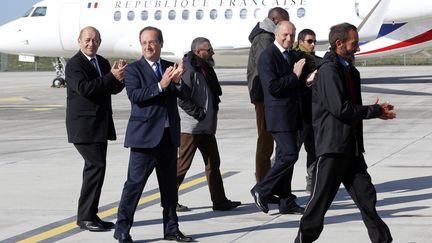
<point>93,62</point>
<point>286,56</point>
<point>158,70</point>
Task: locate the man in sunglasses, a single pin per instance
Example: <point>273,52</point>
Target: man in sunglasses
<point>305,46</point>
<point>198,119</point>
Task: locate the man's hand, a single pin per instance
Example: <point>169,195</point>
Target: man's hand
<point>310,78</point>
<point>118,69</point>
<point>298,67</point>
<point>387,108</point>
<point>178,73</point>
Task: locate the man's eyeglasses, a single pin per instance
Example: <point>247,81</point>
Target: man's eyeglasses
<point>310,41</point>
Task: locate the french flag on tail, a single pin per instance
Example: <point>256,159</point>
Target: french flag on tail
<point>92,5</point>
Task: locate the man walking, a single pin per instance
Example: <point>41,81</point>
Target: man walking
<point>337,113</point>
<point>198,116</point>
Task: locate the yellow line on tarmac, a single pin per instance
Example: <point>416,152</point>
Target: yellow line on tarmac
<point>72,225</point>
<point>13,99</point>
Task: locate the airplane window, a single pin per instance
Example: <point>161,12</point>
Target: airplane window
<point>171,14</point>
<point>243,13</point>
<point>228,13</point>
<point>257,13</point>
<point>117,15</point>
<point>199,14</point>
<point>213,14</point>
<point>185,14</point>
<point>144,15</point>
<point>28,12</point>
<point>158,15</point>
<point>39,11</point>
<point>131,15</point>
<point>301,12</point>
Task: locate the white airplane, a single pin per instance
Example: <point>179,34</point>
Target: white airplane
<point>50,28</point>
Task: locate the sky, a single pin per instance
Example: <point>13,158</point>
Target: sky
<point>13,9</point>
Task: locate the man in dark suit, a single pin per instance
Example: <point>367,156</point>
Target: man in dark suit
<point>280,72</point>
<point>153,134</point>
<point>89,123</point>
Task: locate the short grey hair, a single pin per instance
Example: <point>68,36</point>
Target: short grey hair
<point>196,43</point>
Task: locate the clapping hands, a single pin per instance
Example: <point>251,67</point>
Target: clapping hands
<point>387,108</point>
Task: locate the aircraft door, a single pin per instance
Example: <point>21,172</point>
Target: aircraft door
<point>69,26</point>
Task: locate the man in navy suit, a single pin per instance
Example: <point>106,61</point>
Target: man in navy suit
<point>90,83</point>
<point>280,72</point>
<point>153,134</point>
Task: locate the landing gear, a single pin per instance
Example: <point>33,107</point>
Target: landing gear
<point>59,66</point>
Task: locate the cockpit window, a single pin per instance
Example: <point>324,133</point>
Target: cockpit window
<point>39,11</point>
<point>28,12</point>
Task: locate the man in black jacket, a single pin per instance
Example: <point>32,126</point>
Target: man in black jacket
<point>261,37</point>
<point>90,83</point>
<point>337,114</point>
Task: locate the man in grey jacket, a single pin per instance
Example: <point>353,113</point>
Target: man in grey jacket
<point>261,37</point>
<point>198,116</point>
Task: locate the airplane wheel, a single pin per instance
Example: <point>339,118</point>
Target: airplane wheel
<point>58,83</point>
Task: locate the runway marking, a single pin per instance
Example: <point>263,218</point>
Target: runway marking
<point>13,99</point>
<point>187,186</point>
<point>29,107</point>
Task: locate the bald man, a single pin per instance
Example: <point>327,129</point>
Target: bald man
<point>261,37</point>
<point>281,73</point>
<point>90,83</point>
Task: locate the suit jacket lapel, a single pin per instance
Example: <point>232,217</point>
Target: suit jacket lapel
<point>89,67</point>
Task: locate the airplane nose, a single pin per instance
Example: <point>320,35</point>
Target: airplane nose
<point>10,42</point>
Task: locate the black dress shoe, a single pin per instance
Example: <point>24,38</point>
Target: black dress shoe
<point>260,201</point>
<point>123,238</point>
<point>179,237</point>
<point>227,205</point>
<point>92,226</point>
<point>296,209</point>
<point>106,224</point>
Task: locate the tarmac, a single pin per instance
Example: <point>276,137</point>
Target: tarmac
<point>40,173</point>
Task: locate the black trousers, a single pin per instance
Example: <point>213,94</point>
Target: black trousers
<point>94,155</point>
<point>279,177</point>
<point>307,139</point>
<point>142,161</point>
<point>331,171</point>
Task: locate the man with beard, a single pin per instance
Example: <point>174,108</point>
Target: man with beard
<point>198,116</point>
<point>337,114</point>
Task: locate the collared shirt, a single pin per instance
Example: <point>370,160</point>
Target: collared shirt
<point>97,63</point>
<point>281,49</point>
<point>167,124</point>
<point>344,62</point>
<point>151,63</point>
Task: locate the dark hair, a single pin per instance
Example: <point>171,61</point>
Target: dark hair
<point>339,32</point>
<point>159,32</point>
<point>279,13</point>
<point>197,42</point>
<point>302,34</point>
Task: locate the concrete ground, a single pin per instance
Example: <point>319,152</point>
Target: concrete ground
<point>40,173</point>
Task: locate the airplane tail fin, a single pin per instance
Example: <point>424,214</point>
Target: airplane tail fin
<point>371,24</point>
